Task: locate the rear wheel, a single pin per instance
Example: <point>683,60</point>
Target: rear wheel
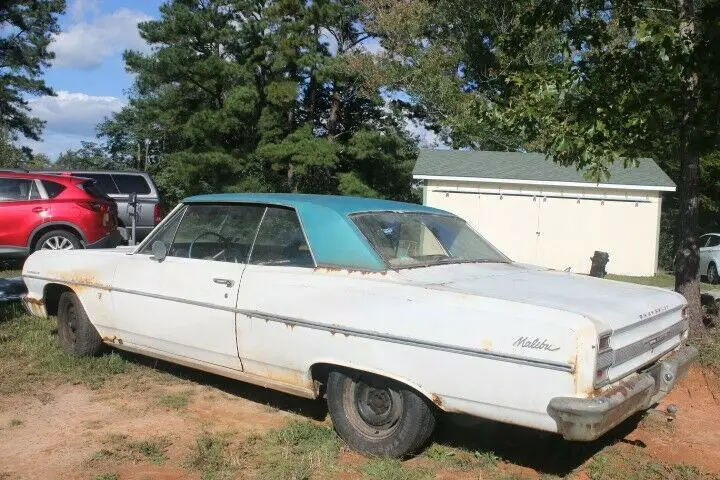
<point>58,240</point>
<point>378,416</point>
<point>712,274</point>
<point>77,335</point>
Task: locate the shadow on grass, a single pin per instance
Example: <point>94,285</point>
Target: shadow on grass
<point>544,452</point>
<point>315,409</point>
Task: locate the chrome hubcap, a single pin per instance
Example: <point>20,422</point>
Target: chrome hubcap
<point>57,243</point>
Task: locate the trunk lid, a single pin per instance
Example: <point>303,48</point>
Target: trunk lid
<point>611,305</point>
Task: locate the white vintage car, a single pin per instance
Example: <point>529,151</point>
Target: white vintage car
<point>393,311</point>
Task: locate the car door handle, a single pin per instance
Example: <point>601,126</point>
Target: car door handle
<point>224,281</point>
<point>39,209</point>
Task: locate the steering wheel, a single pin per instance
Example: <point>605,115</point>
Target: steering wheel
<point>223,240</point>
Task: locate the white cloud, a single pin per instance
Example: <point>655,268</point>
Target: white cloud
<point>79,8</point>
<point>71,117</point>
<point>85,45</point>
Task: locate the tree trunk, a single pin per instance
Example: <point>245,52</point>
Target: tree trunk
<point>334,119</point>
<point>687,258</point>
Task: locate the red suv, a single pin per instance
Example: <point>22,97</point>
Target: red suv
<point>55,213</point>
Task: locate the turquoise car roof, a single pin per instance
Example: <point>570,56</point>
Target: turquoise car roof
<point>334,238</point>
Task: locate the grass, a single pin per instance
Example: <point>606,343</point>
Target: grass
<point>393,469</point>
<point>615,465</point>
<point>119,448</point>
<point>108,476</point>
<point>15,423</point>
<point>211,456</point>
<point>298,450</point>
<point>30,354</point>
<point>664,280</point>
<point>460,459</point>
<point>174,401</point>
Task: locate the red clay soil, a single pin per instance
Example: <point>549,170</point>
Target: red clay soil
<point>693,437</point>
<point>54,433</point>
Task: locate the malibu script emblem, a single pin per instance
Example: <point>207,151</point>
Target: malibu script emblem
<point>537,344</point>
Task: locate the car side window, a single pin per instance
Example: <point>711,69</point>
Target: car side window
<point>217,232</point>
<point>103,181</point>
<point>53,189</point>
<point>128,183</point>
<point>165,234</point>
<point>714,241</point>
<point>15,189</point>
<point>280,240</point>
<point>34,192</point>
<point>702,241</point>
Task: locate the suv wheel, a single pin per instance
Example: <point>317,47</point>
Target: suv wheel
<point>712,274</point>
<point>58,240</point>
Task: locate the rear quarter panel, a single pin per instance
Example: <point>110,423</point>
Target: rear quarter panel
<point>406,332</point>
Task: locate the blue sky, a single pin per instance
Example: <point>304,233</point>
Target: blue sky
<point>89,77</point>
<point>88,74</point>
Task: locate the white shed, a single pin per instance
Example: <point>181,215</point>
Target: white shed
<point>541,213</point>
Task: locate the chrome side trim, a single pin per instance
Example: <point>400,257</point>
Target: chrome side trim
<point>333,329</point>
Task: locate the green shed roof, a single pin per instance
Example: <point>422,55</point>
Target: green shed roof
<point>530,167</point>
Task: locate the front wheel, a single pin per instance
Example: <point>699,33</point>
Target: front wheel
<point>76,333</point>
<point>712,274</point>
<point>378,416</point>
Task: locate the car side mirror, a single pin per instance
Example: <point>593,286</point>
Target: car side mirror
<point>159,251</point>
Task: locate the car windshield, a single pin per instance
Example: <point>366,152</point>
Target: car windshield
<point>406,240</point>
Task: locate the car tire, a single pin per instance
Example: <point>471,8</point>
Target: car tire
<point>378,416</point>
<point>76,334</point>
<point>712,274</point>
<point>58,240</point>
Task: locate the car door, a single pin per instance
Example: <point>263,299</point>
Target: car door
<point>22,209</point>
<point>709,253</point>
<point>704,253</point>
<point>185,304</point>
<point>276,284</point>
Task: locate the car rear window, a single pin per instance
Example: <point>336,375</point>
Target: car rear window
<point>53,189</point>
<point>103,181</point>
<point>131,184</point>
<point>91,187</point>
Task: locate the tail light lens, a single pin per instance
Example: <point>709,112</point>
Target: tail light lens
<point>94,206</point>
<point>157,214</point>
<point>605,360</point>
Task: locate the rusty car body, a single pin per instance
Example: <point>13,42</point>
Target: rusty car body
<point>416,311</point>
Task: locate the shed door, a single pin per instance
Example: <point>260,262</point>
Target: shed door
<point>510,223</point>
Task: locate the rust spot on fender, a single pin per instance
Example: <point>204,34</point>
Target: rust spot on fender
<point>349,271</point>
<point>436,399</point>
<point>113,339</point>
<point>34,301</point>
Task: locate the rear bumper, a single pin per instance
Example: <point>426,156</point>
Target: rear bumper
<point>110,240</point>
<point>586,419</point>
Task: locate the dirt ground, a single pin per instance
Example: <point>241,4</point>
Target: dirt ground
<point>71,431</point>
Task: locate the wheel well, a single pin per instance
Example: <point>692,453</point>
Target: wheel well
<point>49,228</point>
<point>51,296</point>
<point>320,372</point>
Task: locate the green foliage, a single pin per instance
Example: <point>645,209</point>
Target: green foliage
<point>90,156</point>
<point>393,469</point>
<point>27,30</point>
<point>266,103</point>
<point>298,450</point>
<point>31,354</point>
<point>211,457</point>
<point>174,401</point>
